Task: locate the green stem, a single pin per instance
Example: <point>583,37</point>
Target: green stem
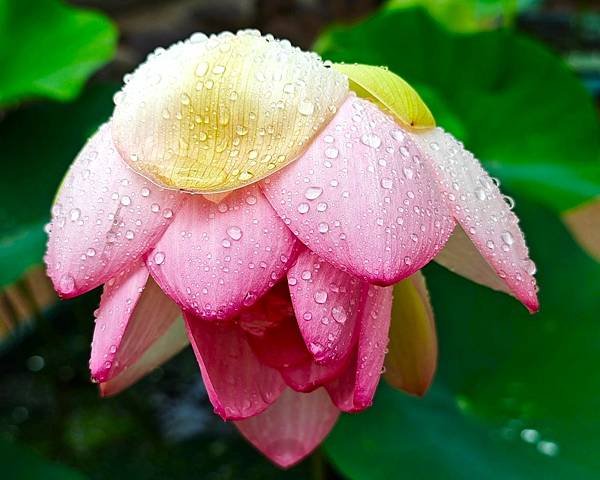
<point>317,464</point>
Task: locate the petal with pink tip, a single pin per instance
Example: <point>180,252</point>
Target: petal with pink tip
<point>478,205</point>
<point>238,384</point>
<point>132,316</point>
<point>361,198</point>
<point>354,389</point>
<point>291,428</point>
<point>166,346</point>
<point>216,259</point>
<point>327,303</point>
<point>104,218</point>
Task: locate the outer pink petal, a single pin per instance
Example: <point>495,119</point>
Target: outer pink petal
<point>166,346</point>
<point>238,384</point>
<point>361,198</point>
<point>327,303</point>
<point>292,428</point>
<point>217,258</point>
<point>132,316</point>
<point>354,390</point>
<point>105,217</point>
<point>482,211</point>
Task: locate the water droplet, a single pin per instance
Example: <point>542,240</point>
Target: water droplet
<point>90,252</point>
<point>371,140</point>
<point>397,135</point>
<point>306,275</point>
<point>185,99</point>
<point>408,172</point>
<point>234,232</point>
<point>321,207</point>
<point>320,296</point>
<point>434,146</point>
<point>339,314</point>
<point>307,316</point>
<point>306,107</point>
<point>245,176</point>
<point>323,227</point>
<point>480,193</point>
<point>155,208</point>
<point>167,213</point>
<point>67,283</point>
<point>303,207</point>
<point>74,214</point>
<point>331,152</point>
<point>490,244</point>
<point>125,200</point>
<point>251,200</point>
<point>159,258</point>
<point>201,69</point>
<point>507,238</point>
<point>129,235</point>
<point>387,183</point>
<point>145,192</point>
<point>312,193</point>
<point>226,243</point>
<point>218,69</point>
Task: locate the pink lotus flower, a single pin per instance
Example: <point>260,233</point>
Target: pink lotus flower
<point>244,200</point>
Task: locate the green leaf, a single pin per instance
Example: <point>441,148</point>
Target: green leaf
<point>49,49</point>
<point>514,103</point>
<point>21,463</point>
<point>37,145</point>
<point>515,396</point>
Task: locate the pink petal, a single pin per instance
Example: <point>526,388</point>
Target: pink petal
<point>272,331</point>
<point>132,316</point>
<point>217,258</point>
<point>166,346</point>
<point>105,217</point>
<point>309,375</point>
<point>482,211</point>
<point>361,198</point>
<point>354,390</point>
<point>327,303</point>
<point>238,384</point>
<point>292,427</point>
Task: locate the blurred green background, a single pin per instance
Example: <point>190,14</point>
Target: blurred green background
<point>515,397</point>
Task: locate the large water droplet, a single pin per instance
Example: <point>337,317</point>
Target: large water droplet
<point>320,296</point>
<point>234,232</point>
<point>312,193</point>
<point>67,283</point>
<point>371,140</point>
<point>159,258</point>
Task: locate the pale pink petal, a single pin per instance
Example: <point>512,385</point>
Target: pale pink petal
<point>218,258</point>
<point>327,303</point>
<point>104,218</point>
<point>361,198</point>
<point>238,384</point>
<point>292,427</point>
<point>132,316</point>
<point>354,390</point>
<point>460,256</point>
<point>478,205</point>
<point>166,346</point>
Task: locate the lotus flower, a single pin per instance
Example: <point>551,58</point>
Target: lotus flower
<point>252,200</point>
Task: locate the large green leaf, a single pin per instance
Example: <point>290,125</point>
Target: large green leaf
<point>48,48</point>
<point>516,396</point>
<point>37,144</point>
<point>23,464</point>
<point>513,102</point>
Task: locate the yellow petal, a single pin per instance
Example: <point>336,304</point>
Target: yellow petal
<point>412,350</point>
<point>584,223</point>
<point>212,115</point>
<point>389,92</point>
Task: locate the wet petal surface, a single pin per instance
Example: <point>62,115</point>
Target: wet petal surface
<point>216,259</point>
<point>484,213</point>
<point>238,384</point>
<point>291,428</point>
<point>361,198</point>
<point>105,217</point>
<point>327,303</point>
<point>215,114</point>
<point>132,316</point>
<point>355,388</point>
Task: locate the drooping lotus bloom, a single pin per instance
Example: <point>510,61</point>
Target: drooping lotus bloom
<point>260,204</point>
